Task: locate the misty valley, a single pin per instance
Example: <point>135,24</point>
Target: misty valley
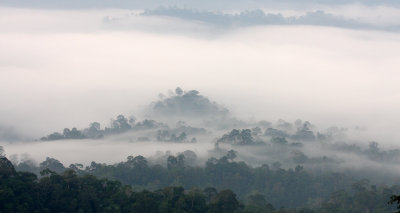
<point>199,106</point>
<point>191,154</point>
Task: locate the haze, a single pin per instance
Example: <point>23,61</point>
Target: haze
<point>63,68</point>
<point>207,106</point>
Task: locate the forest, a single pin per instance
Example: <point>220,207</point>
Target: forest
<point>199,106</point>
<point>135,186</point>
<point>257,166</point>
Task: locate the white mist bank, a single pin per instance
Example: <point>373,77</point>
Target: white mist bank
<point>101,151</point>
<point>66,68</point>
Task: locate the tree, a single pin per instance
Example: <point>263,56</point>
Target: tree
<point>76,134</point>
<point>94,130</point>
<point>2,152</point>
<point>190,157</point>
<point>67,133</point>
<point>257,204</point>
<point>237,137</point>
<point>231,154</point>
<point>182,137</point>
<point>395,199</point>
<point>139,162</point>
<point>197,201</point>
<point>225,202</point>
<point>210,193</point>
<point>52,164</point>
<point>279,140</point>
<point>172,162</point>
<point>54,136</point>
<point>6,167</point>
<point>121,123</point>
<point>178,91</point>
<point>181,160</point>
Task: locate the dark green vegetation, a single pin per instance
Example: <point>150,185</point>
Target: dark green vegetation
<point>256,166</point>
<point>395,199</point>
<point>260,189</point>
<point>67,192</point>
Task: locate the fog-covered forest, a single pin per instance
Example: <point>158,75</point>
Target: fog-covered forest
<point>258,166</point>
<point>212,106</point>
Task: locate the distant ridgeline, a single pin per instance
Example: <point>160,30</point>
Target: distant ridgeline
<point>283,142</point>
<point>255,136</point>
<point>259,17</point>
<point>290,137</point>
<point>184,105</point>
<point>191,106</point>
<point>120,125</point>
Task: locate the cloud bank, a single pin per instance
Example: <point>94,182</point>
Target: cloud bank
<point>259,17</point>
<point>69,68</point>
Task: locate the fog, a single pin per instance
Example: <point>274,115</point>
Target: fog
<point>207,4</point>
<point>104,151</point>
<point>379,18</point>
<point>338,76</point>
<point>68,68</point>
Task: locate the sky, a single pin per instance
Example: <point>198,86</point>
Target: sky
<point>64,66</point>
<point>205,4</point>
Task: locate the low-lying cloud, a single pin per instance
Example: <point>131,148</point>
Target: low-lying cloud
<point>259,17</point>
<point>69,68</point>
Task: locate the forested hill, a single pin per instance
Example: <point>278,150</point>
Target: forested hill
<point>257,166</point>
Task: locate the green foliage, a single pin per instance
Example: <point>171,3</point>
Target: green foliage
<point>261,187</point>
<point>395,199</point>
<point>68,192</point>
<point>238,137</point>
